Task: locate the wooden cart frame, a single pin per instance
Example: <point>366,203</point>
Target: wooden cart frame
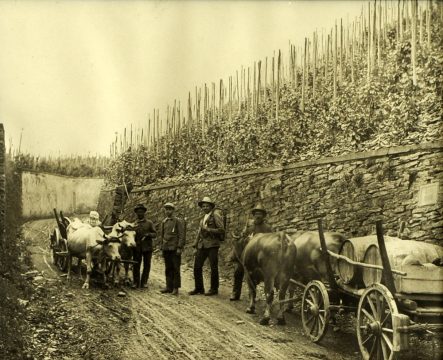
<point>385,318</point>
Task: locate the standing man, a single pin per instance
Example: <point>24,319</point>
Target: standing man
<point>172,238</point>
<point>258,226</point>
<point>144,233</point>
<point>211,232</point>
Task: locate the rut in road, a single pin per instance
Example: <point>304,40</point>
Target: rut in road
<point>158,326</point>
<point>199,327</point>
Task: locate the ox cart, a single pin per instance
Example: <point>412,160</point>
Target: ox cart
<point>390,301</point>
<point>59,247</point>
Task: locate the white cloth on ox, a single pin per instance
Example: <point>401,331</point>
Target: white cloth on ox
<point>77,224</point>
<point>84,238</point>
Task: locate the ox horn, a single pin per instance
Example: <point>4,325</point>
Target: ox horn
<point>235,236</point>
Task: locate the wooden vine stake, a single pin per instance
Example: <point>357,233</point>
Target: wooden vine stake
<point>302,103</point>
<point>334,66</point>
<point>402,12</point>
<point>369,44</point>
<point>374,35</point>
<point>398,22</point>
<point>352,52</point>
<point>277,103</point>
<point>327,57</point>
<point>314,69</point>
<point>428,22</point>
<point>258,83</point>
<point>421,27</point>
<point>414,42</point>
<point>341,52</point>
<point>379,36</point>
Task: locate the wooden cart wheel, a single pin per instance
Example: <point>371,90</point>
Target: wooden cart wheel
<point>55,236</point>
<point>375,330</point>
<point>62,263</point>
<point>315,310</point>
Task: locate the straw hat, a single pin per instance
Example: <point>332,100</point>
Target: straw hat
<point>259,208</point>
<point>169,205</point>
<point>206,200</point>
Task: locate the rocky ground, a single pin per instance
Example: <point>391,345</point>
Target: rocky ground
<point>70,323</point>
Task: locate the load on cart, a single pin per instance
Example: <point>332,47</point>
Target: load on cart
<point>395,288</point>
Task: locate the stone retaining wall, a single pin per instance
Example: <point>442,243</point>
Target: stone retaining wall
<point>350,192</point>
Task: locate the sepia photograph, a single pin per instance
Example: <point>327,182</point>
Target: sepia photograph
<point>221,179</point>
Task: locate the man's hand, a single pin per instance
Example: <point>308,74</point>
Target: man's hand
<point>179,251</point>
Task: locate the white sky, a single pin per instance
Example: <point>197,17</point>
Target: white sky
<point>73,73</point>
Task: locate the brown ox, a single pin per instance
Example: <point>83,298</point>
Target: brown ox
<point>87,242</point>
<point>309,263</point>
<point>269,258</point>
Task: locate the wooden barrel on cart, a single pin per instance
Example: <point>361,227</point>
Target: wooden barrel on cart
<point>372,256</point>
<point>402,254</point>
<point>355,249</point>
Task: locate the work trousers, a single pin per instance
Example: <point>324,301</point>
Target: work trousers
<point>239,273</point>
<point>200,258</point>
<point>145,257</point>
<point>172,269</point>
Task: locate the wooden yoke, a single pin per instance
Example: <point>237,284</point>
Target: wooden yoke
<point>324,251</point>
<point>387,277</point>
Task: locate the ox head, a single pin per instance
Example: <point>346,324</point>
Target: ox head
<point>109,245</point>
<point>125,232</point>
<point>239,243</point>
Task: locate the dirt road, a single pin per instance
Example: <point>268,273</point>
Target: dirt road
<point>146,324</point>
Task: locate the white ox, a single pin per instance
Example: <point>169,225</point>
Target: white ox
<point>124,231</point>
<point>87,242</point>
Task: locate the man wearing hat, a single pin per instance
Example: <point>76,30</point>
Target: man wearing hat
<point>144,233</point>
<point>172,239</point>
<point>211,232</point>
<point>258,226</point>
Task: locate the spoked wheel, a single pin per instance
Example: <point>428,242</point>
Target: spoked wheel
<point>55,236</point>
<point>62,262</point>
<point>375,330</point>
<point>315,310</point>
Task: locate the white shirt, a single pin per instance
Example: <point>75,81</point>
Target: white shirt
<point>205,218</point>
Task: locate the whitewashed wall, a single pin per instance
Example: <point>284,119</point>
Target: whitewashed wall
<point>43,192</point>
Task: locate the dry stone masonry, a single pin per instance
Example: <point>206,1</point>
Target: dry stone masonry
<point>350,192</point>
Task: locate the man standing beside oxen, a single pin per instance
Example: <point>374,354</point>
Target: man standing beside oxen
<point>209,236</point>
<point>172,241</point>
<point>258,226</point>
<point>145,232</point>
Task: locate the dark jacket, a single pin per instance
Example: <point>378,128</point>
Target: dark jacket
<point>172,234</point>
<point>257,229</point>
<point>144,233</point>
<point>210,237</point>
<point>251,229</point>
